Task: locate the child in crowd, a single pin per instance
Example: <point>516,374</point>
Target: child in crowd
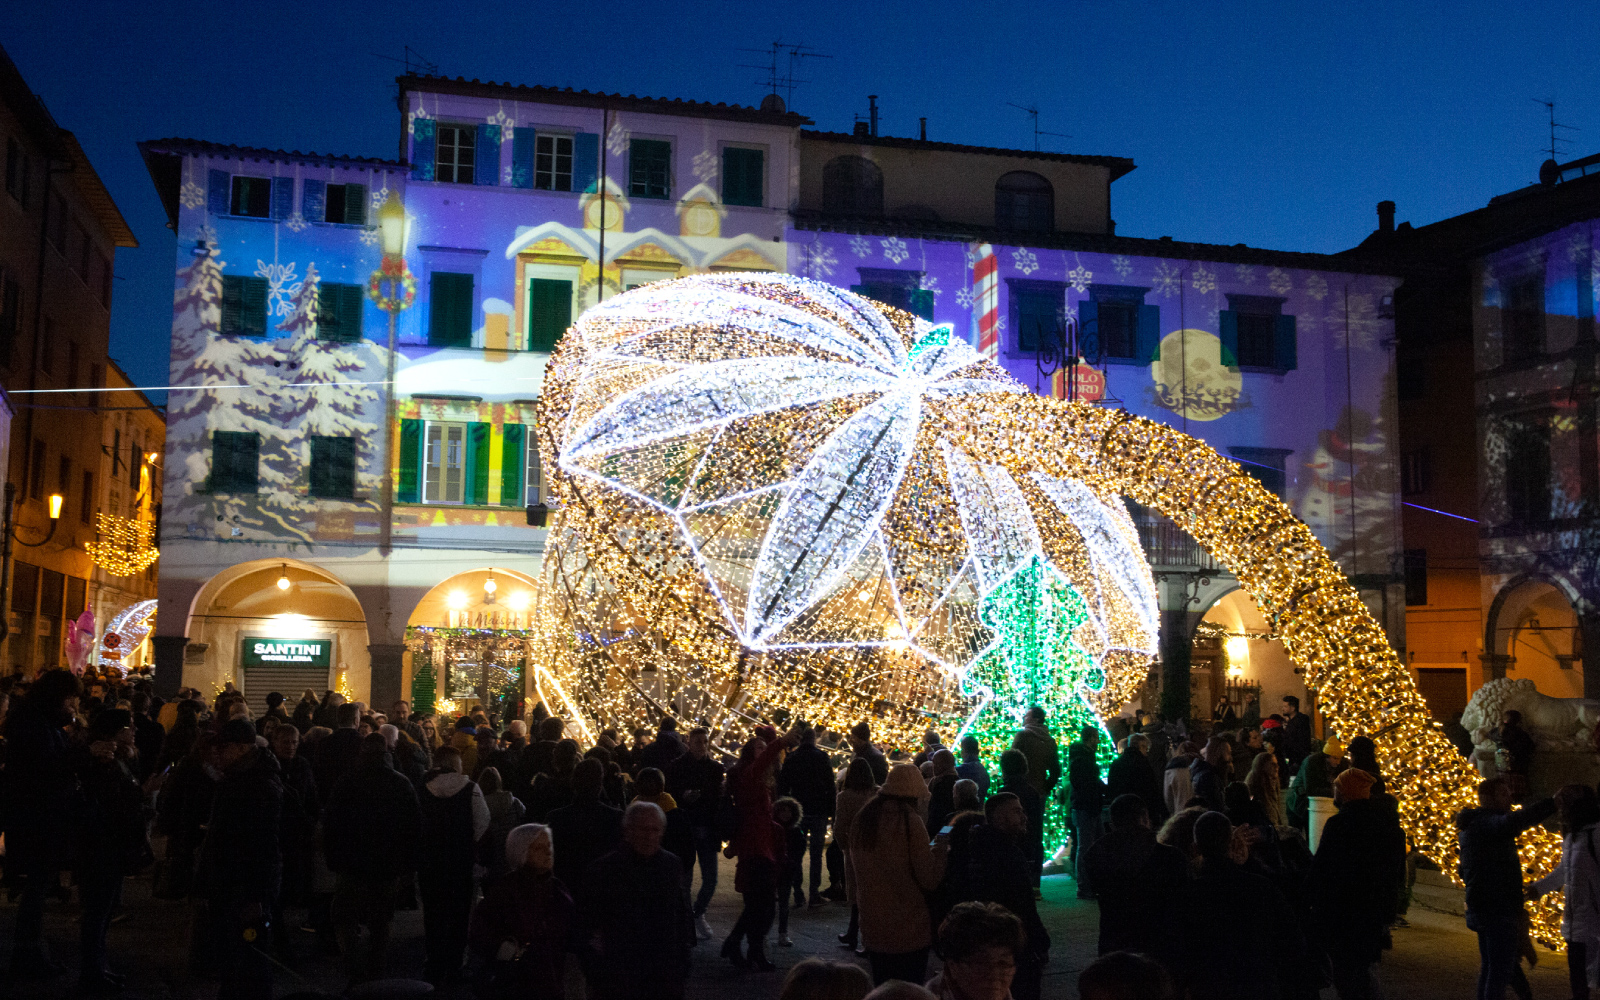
<point>786,812</point>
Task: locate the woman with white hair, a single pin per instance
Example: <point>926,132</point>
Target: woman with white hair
<point>523,927</point>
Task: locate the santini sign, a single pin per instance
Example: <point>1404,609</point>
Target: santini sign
<point>299,652</point>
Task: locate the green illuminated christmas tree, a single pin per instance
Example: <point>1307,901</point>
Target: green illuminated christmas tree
<point>422,687</point>
<point>1034,660</point>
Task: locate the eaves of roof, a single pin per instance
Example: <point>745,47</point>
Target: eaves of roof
<point>589,99</point>
<point>1119,165</point>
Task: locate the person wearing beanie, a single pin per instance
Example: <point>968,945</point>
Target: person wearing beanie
<point>242,857</point>
<point>465,740</point>
<point>1268,943</point>
<point>112,844</point>
<point>275,710</point>
<point>1314,779</point>
<point>1355,881</point>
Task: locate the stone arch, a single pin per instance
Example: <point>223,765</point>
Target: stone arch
<point>463,600</point>
<point>1533,630</point>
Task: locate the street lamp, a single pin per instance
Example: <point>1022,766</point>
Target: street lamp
<point>9,529</point>
<point>392,288</point>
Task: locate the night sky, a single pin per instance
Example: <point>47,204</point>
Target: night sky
<point>1279,125</point>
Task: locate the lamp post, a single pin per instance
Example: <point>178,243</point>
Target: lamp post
<point>392,288</point>
<point>9,529</point>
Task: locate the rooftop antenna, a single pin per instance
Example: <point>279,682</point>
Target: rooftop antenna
<point>1550,106</point>
<point>1033,112</point>
<point>782,60</point>
<point>415,62</point>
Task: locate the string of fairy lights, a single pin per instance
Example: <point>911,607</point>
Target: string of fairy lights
<point>778,500</point>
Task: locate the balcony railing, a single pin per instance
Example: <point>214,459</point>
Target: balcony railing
<point>1166,544</point>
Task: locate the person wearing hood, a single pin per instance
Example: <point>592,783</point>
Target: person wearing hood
<point>894,867</point>
<point>242,858</point>
<point>1226,966</point>
<point>1492,871</point>
<point>454,818</point>
<point>523,926</point>
<point>113,843</point>
<point>1208,774</point>
<point>1176,785</point>
<point>1355,881</point>
<point>370,835</point>
<point>1578,878</point>
<point>1044,756</point>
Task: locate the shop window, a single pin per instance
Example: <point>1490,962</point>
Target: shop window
<point>552,163</point>
<point>333,467</point>
<point>235,460</point>
<point>252,196</point>
<point>339,312</point>
<point>743,174</point>
<point>649,168</point>
<point>1115,326</point>
<point>244,305</point>
<point>454,156</point>
<point>449,309</point>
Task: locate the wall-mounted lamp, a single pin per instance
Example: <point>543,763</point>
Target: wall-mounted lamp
<point>55,506</point>
<point>283,577</point>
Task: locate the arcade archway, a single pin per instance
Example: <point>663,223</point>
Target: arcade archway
<point>467,644</point>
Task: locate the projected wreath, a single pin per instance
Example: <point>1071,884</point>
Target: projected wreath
<point>780,500</point>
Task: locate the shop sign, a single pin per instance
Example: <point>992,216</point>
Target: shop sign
<point>260,651</point>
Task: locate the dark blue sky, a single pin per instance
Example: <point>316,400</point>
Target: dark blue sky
<point>1273,124</point>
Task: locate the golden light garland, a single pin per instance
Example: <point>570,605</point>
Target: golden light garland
<point>125,546</point>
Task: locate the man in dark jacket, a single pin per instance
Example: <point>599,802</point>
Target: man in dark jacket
<point>370,836</point>
<point>1088,800</point>
<point>1355,882</point>
<point>552,788</point>
<point>243,863</point>
<point>695,781</point>
<point>1262,944</point>
<point>635,924</point>
<point>1131,774</point>
<point>971,766</point>
<point>1492,871</point>
<point>113,843</point>
<point>1000,870</point>
<point>148,736</point>
<point>807,776</point>
<point>1044,757</point>
<point>1014,779</point>
<point>587,828</point>
<point>861,743</point>
<point>1208,775</point>
<point>1296,739</point>
<point>663,750</point>
<point>1136,881</point>
<point>454,818</point>
<point>338,751</point>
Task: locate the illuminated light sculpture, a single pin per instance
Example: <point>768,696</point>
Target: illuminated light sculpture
<point>741,457</point>
<point>125,631</point>
<point>125,545</point>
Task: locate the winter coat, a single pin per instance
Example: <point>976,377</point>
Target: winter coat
<point>1131,774</point>
<point>1044,757</point>
<point>999,871</point>
<point>941,799</point>
<point>975,772</point>
<point>113,841</point>
<point>639,908</point>
<point>1083,774</point>
<point>1206,783</point>
<point>148,737</point>
<point>43,804</point>
<point>1176,786</point>
<point>454,818</point>
<point>753,798</point>
<point>877,761</point>
<point>373,822</point>
<point>242,857</point>
<point>505,814</point>
<point>1489,864</point>
<point>1356,876</point>
<point>1261,943</point>
<point>1578,876</point>
<point>535,910</point>
<point>1297,736</point>
<point>696,785</point>
<point>335,756</point>
<point>658,753</point>
<point>580,833</point>
<point>893,878</point>
<point>807,775</point>
<point>1136,880</point>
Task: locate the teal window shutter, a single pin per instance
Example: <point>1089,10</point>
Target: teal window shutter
<point>585,161</point>
<point>328,305</point>
<point>232,301</point>
<point>549,312</point>
<point>1148,344</point>
<point>922,303</point>
<point>1089,326</point>
<point>450,309</point>
<point>355,204</point>
<point>235,458</point>
<point>282,197</point>
<point>522,143</point>
<point>486,162</point>
<point>477,478</point>
<point>333,467</point>
<point>410,460</point>
<point>1228,333</point>
<point>511,458</point>
<point>743,176</point>
<point>313,200</point>
<point>219,191</point>
<point>1285,348</point>
<point>423,137</point>
<point>352,305</point>
<point>253,310</point>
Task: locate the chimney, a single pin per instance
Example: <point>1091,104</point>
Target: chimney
<point>861,128</point>
<point>924,136</point>
<point>872,111</point>
<point>1385,216</point>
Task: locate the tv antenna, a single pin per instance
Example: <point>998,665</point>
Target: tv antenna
<point>1550,106</point>
<point>415,62</point>
<point>783,59</point>
<point>1033,112</point>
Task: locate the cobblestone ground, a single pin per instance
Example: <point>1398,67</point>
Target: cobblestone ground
<point>1435,957</point>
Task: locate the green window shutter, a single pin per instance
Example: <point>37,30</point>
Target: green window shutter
<point>253,307</point>
<point>512,456</point>
<point>549,312</point>
<point>410,460</point>
<point>1228,333</point>
<point>282,197</point>
<point>352,304</point>
<point>477,471</point>
<point>743,176</point>
<point>333,467</point>
<point>486,161</point>
<point>1285,349</point>
<point>328,326</point>
<point>522,143</point>
<point>232,303</point>
<point>313,200</point>
<point>450,309</point>
<point>219,191</point>
<point>234,462</point>
<point>423,137</point>
<point>1148,343</point>
<point>355,204</point>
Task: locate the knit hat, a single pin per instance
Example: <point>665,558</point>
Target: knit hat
<point>1333,748</point>
<point>237,731</point>
<point>861,731</point>
<point>467,724</point>
<point>274,699</point>
<point>1270,724</point>
<point>109,723</point>
<point>905,780</point>
<point>1353,784</point>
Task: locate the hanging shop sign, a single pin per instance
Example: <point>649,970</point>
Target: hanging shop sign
<point>260,651</point>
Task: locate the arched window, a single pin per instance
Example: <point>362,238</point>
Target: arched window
<point>1024,201</point>
<point>852,185</point>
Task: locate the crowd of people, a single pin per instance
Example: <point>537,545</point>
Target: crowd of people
<point>535,859</point>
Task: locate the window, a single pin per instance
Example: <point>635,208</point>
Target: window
<point>1037,312</point>
<point>1025,202</point>
<point>1256,334</point>
<point>444,462</point>
<point>56,230</point>
<point>345,203</point>
<point>25,588</point>
<point>1415,471</point>
<point>549,312</point>
<point>16,171</point>
<point>339,309</point>
<point>244,305</point>
<point>454,157</point>
<point>333,467</point>
<point>901,289</point>
<point>1528,470</point>
<point>252,196</point>
<point>649,168</point>
<point>1522,318</point>
<point>535,472</point>
<point>86,509</point>
<point>852,185</point>
<point>552,163</point>
<point>1266,466</point>
<point>1115,325</point>
<point>36,471</point>
<point>234,460</point>
<point>743,174</point>
<point>80,249</point>
<point>10,315</point>
<point>449,309</point>
<point>1416,577</point>
<point>74,360</point>
<point>63,476</point>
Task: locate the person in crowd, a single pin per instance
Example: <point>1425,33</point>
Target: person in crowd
<point>1245,751</point>
<point>980,943</point>
<point>464,740</point>
<point>505,814</point>
<point>523,926</point>
<point>1208,775</point>
<point>1578,879</point>
<point>1124,975</point>
<point>861,744</point>
<point>242,858</point>
<point>931,744</point>
<point>298,831</point>
<point>488,743</point>
<point>971,766</point>
<point>1014,779</point>
<point>112,842</point>
<point>506,759</point>
<point>816,979</point>
<point>1132,774</point>
<point>327,713</point>
<point>964,797</point>
<point>186,729</point>
<point>40,801</point>
<point>1088,800</point>
<point>1001,871</point>
<point>894,867</point>
<point>1315,779</point>
<point>338,752</point>
<point>183,808</point>
<point>1354,883</point>
<point>1265,942</point>
<point>1178,833</point>
<point>275,713</point>
<point>430,735</point>
<point>371,833</point>
<point>695,782</point>
<point>148,736</point>
<point>1492,871</point>
<point>553,788</point>
<point>855,792</point>
<point>539,756</point>
<point>1514,753</point>
<point>410,757</point>
<point>1136,878</point>
<point>1034,741</point>
<point>454,818</point>
<point>1296,732</point>
<point>1363,755</point>
<point>1176,785</point>
<point>635,922</point>
<point>304,711</point>
<point>758,845</point>
<point>807,776</point>
<point>586,828</point>
<point>790,817</point>
<point>942,788</point>
<point>1263,784</point>
<point>663,750</point>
